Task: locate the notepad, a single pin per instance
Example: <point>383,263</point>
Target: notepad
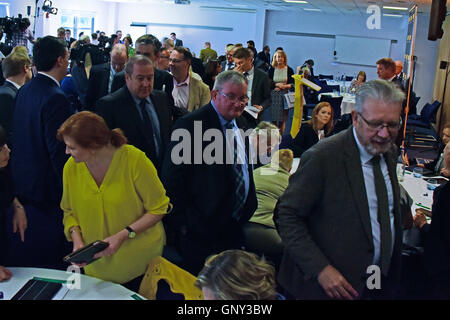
<point>37,290</point>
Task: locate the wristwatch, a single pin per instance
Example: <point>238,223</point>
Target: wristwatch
<point>131,233</point>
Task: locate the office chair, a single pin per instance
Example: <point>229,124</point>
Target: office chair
<point>335,103</point>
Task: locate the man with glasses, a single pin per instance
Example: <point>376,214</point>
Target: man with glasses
<point>149,46</point>
<point>212,190</point>
<point>340,216</point>
<point>102,75</point>
<point>163,60</point>
<point>188,92</point>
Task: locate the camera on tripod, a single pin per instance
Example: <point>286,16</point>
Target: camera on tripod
<point>13,25</point>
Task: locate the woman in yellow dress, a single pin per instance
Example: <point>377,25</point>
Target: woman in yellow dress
<point>111,192</point>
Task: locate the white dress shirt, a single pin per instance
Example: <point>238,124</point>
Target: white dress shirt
<point>180,93</point>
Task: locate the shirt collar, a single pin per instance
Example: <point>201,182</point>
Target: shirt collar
<point>185,82</point>
<point>14,84</point>
<point>364,155</point>
<point>138,101</point>
<point>392,78</point>
<point>47,75</point>
<point>222,120</point>
<point>113,72</point>
<point>251,71</point>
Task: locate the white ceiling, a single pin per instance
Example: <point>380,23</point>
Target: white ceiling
<point>346,7</point>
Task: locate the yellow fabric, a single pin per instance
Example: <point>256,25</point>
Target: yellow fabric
<point>130,188</point>
<point>298,106</point>
<point>199,94</point>
<point>179,280</point>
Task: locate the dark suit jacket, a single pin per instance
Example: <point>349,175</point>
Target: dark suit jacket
<point>8,94</point>
<point>98,84</point>
<point>178,43</point>
<point>304,140</point>
<point>163,81</point>
<point>38,158</point>
<point>323,218</point>
<point>224,65</point>
<point>119,111</point>
<point>197,66</point>
<point>260,95</point>
<point>203,194</point>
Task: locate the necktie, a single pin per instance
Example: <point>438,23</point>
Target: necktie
<point>148,131</point>
<point>383,215</point>
<point>246,75</point>
<point>230,65</point>
<point>239,183</point>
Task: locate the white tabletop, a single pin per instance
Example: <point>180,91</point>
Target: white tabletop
<point>347,104</point>
<point>84,287</point>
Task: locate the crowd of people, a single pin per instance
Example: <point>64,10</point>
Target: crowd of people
<point>145,150</point>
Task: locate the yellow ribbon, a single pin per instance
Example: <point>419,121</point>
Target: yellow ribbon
<point>298,105</point>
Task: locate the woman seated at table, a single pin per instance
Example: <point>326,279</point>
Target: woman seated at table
<point>271,181</point>
<point>264,139</point>
<point>111,192</point>
<point>237,275</point>
<point>281,75</point>
<point>437,166</point>
<point>357,82</point>
<point>6,195</point>
<point>318,127</point>
<point>437,237</point>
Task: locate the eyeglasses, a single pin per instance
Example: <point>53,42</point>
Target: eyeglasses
<point>378,126</point>
<point>233,99</point>
<point>164,57</point>
<point>175,60</point>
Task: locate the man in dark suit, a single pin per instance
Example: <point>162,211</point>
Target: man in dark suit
<point>341,213</point>
<point>17,71</point>
<point>176,42</point>
<point>102,75</point>
<point>149,46</point>
<point>38,160</point>
<point>141,112</point>
<point>263,59</point>
<point>68,38</point>
<point>228,64</point>
<point>258,84</point>
<point>213,195</point>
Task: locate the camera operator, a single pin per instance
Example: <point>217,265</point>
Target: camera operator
<point>4,48</point>
<point>23,35</point>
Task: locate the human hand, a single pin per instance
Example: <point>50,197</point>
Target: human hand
<point>420,219</point>
<point>115,241</point>
<point>276,89</point>
<point>5,274</point>
<point>445,172</point>
<point>335,285</point>
<point>258,107</point>
<point>421,165</point>
<point>20,221</point>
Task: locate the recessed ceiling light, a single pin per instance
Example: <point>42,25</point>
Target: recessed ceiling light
<point>395,8</point>
<point>312,9</point>
<point>392,15</point>
<point>295,1</point>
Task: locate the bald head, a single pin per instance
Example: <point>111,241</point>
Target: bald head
<point>119,56</point>
<point>398,67</point>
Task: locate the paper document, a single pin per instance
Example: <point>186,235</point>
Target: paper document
<point>253,111</point>
<point>310,84</point>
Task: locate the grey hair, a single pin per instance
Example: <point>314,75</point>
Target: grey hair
<point>229,76</point>
<point>137,59</point>
<point>378,90</point>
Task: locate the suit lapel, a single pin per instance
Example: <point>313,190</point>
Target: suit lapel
<point>254,83</point>
<point>132,111</point>
<point>13,87</point>
<point>396,193</point>
<point>159,112</point>
<point>356,178</point>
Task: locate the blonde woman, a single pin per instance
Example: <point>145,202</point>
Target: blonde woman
<point>318,127</point>
<point>237,275</point>
<point>281,75</point>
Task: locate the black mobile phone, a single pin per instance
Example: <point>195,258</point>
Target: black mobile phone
<point>86,254</point>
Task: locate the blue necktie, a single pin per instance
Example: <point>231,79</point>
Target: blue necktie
<point>239,183</point>
<point>149,134</point>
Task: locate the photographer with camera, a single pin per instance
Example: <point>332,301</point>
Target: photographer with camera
<point>23,34</point>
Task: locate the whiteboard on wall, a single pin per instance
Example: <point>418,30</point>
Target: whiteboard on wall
<point>361,50</point>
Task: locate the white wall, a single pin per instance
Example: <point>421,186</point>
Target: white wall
<point>242,23</point>
<point>301,48</point>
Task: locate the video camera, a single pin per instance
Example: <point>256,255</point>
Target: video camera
<point>98,55</point>
<point>13,25</point>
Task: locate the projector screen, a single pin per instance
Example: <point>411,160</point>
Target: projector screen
<point>360,50</point>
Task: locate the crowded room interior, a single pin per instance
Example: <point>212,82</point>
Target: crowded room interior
<point>224,150</point>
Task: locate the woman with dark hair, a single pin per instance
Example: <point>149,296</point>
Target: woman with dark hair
<point>111,191</point>
<point>129,44</point>
<point>212,69</point>
<point>358,81</point>
<point>318,127</point>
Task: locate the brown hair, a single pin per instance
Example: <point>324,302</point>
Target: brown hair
<point>14,63</point>
<point>361,73</point>
<point>313,121</point>
<point>387,63</point>
<point>242,53</point>
<point>90,131</point>
<point>274,58</point>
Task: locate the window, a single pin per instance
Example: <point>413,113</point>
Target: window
<point>4,9</point>
<point>78,22</point>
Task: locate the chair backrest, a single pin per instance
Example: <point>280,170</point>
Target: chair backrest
<point>348,78</point>
<point>180,281</point>
<point>335,87</point>
<point>335,103</point>
<point>325,76</point>
<point>326,88</point>
<point>429,111</point>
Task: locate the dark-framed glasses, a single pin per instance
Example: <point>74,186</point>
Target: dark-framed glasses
<point>378,126</point>
<point>233,98</point>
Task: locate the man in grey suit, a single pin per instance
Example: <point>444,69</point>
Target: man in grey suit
<point>340,216</point>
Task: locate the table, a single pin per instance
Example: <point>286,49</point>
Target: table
<point>347,104</point>
<point>89,288</point>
